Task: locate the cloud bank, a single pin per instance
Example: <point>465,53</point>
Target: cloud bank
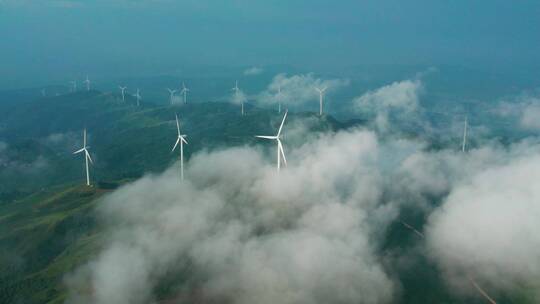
<point>524,110</point>
<point>488,227</point>
<point>298,89</point>
<point>398,99</point>
<point>236,233</point>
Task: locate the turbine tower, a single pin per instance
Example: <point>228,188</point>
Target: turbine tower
<point>138,96</point>
<point>321,97</point>
<point>184,92</point>
<point>123,89</point>
<point>86,157</point>
<point>181,139</point>
<point>87,81</point>
<point>280,152</point>
<point>236,90</point>
<point>171,94</point>
<point>464,143</point>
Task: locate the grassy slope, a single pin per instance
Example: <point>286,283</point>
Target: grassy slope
<point>43,237</point>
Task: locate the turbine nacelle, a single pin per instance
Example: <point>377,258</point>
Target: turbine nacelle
<point>236,89</point>
<point>87,158</point>
<point>277,138</point>
<point>321,91</point>
<point>180,140</point>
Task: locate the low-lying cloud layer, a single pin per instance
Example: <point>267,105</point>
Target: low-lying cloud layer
<point>488,227</point>
<point>235,232</point>
<point>399,98</point>
<point>524,109</point>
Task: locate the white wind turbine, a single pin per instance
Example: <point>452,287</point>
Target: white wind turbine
<point>87,81</point>
<point>74,85</point>
<point>321,97</point>
<point>181,139</point>
<point>280,152</point>
<point>171,94</point>
<point>236,90</point>
<point>184,92</point>
<point>464,143</point>
<point>86,157</point>
<point>138,96</point>
<point>123,89</point>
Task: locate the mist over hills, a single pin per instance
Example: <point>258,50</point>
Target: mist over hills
<point>125,140</point>
<point>405,169</point>
<point>40,174</point>
<point>354,190</point>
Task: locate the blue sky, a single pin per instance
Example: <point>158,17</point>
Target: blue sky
<point>47,37</point>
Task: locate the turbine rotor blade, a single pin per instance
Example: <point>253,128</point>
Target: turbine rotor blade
<point>280,147</point>
<point>282,122</point>
<point>177,125</point>
<point>88,155</point>
<point>183,139</point>
<point>79,151</point>
<point>176,144</point>
<point>266,137</point>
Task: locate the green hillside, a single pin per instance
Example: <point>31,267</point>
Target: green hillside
<point>47,226</point>
<point>125,141</point>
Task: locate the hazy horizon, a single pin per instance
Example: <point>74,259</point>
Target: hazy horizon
<point>57,39</point>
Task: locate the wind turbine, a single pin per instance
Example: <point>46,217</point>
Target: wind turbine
<point>171,94</point>
<point>278,97</point>
<point>181,139</point>
<point>236,90</point>
<point>123,89</point>
<point>280,152</point>
<point>184,92</point>
<point>74,84</point>
<point>464,143</point>
<point>138,96</point>
<point>321,97</point>
<point>87,81</point>
<point>86,157</point>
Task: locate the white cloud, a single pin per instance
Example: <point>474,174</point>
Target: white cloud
<point>238,97</point>
<point>298,89</point>
<point>247,235</point>
<point>253,71</point>
<point>400,98</point>
<point>524,109</point>
<point>488,226</point>
<point>236,231</point>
